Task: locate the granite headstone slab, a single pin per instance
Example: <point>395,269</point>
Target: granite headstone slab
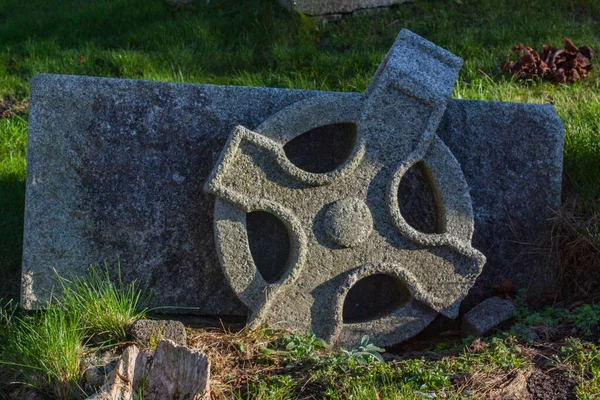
<point>116,170</point>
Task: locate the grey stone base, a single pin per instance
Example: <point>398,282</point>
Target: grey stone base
<point>325,7</point>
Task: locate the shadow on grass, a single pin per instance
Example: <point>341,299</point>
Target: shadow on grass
<point>12,200</point>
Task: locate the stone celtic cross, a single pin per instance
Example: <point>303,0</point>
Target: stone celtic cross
<point>346,224</point>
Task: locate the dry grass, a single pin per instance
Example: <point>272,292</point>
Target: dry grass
<point>10,106</point>
<point>575,247</point>
<point>498,384</point>
<point>237,358</point>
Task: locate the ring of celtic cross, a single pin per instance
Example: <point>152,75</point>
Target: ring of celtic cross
<point>345,225</point>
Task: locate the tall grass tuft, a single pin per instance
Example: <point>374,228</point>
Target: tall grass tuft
<point>107,308</point>
<point>45,350</point>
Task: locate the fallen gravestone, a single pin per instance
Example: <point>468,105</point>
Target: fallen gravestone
<point>346,225</point>
<point>401,175</point>
<point>324,7</point>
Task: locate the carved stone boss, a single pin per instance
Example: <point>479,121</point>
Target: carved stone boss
<point>346,224</point>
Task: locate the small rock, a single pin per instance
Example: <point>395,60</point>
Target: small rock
<point>149,333</point>
<point>487,316</point>
<point>178,373</point>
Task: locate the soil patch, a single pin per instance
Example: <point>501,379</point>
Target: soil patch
<point>551,386</point>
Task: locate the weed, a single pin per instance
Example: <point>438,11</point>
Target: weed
<point>365,353</point>
<point>582,360</point>
<point>586,318</point>
<point>302,349</point>
<point>553,322</point>
<point>259,364</point>
<point>107,308</point>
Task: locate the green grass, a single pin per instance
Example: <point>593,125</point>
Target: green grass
<point>583,362</point>
<point>265,366</point>
<point>257,43</point>
<point>269,364</point>
<point>107,307</point>
<point>13,144</point>
<point>45,349</point>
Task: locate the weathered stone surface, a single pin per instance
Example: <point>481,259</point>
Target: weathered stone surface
<point>148,332</point>
<point>487,315</point>
<point>345,224</point>
<point>116,170</point>
<point>115,173</point>
<point>173,372</point>
<point>178,373</point>
<point>322,7</point>
<point>501,147</point>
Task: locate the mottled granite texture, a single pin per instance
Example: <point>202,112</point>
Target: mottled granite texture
<point>323,7</point>
<point>148,332</point>
<point>116,170</point>
<point>345,223</point>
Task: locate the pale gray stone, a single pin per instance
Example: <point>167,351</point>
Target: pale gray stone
<point>178,373</point>
<point>116,170</point>
<point>345,224</point>
<point>115,175</point>
<point>96,368</point>
<point>322,7</point>
<point>348,222</point>
<point>487,315</point>
<point>148,332</point>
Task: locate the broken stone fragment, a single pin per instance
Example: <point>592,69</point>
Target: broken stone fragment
<point>125,380</point>
<point>174,373</point>
<point>97,368</point>
<point>149,333</point>
<point>178,373</point>
<point>487,315</point>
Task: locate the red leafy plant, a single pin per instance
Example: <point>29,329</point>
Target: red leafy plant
<point>568,64</point>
